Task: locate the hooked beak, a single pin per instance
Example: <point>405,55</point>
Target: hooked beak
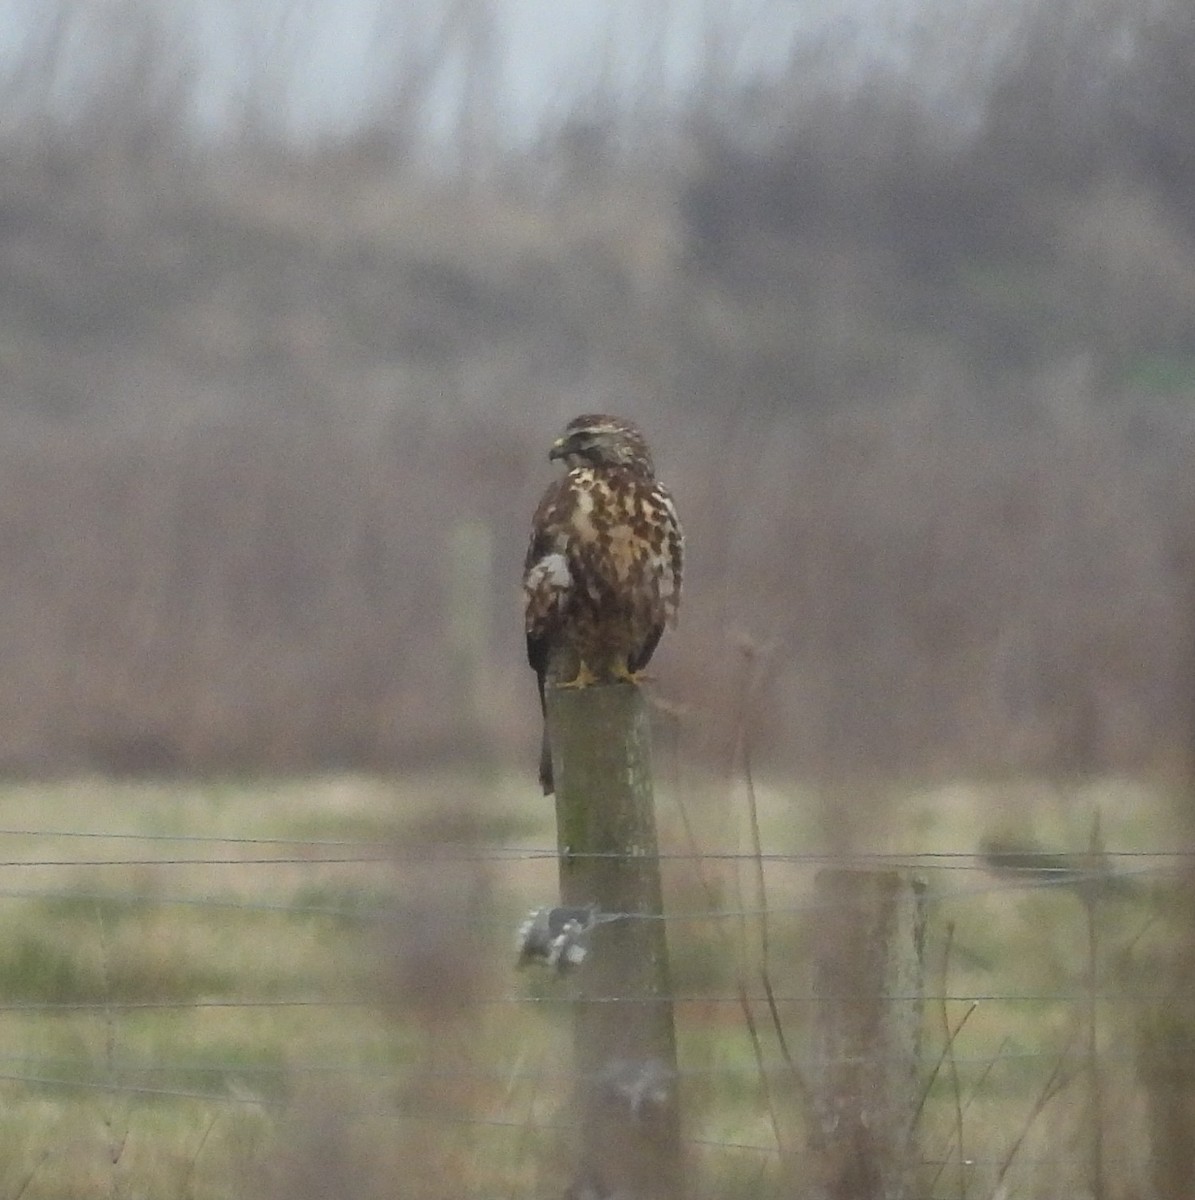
<point>559,449</point>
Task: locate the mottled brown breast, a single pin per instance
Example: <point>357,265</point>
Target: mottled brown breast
<point>604,566</point>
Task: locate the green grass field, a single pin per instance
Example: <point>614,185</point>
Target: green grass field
<point>339,1013</point>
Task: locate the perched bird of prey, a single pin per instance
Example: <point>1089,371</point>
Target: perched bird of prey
<point>603,571</point>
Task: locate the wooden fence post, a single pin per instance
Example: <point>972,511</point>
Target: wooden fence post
<point>624,1036</point>
<point>867,986</point>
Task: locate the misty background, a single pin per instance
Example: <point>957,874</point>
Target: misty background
<point>295,296</point>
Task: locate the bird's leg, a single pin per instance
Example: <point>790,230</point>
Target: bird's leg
<point>583,679</point>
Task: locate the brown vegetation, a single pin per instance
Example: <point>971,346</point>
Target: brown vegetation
<point>924,399</point>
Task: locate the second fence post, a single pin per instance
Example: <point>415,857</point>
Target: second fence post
<point>624,1035</point>
<point>867,987</point>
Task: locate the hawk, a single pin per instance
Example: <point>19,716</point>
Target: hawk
<point>603,572</point>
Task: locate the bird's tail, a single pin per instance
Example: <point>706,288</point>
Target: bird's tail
<point>545,751</point>
<point>545,766</point>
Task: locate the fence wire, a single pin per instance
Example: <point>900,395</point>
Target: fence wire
<point>955,878</point>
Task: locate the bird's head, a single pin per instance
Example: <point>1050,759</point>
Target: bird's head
<point>596,440</point>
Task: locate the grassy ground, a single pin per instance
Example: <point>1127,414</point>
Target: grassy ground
<point>296,1020</point>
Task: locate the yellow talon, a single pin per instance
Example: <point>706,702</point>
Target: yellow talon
<point>584,678</point>
<point>624,674</point>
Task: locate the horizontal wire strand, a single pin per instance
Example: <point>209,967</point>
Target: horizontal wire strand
<point>120,1006</point>
<point>1066,881</point>
<point>501,1074</point>
<point>389,850</point>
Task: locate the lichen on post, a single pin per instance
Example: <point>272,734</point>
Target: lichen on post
<point>624,1034</point>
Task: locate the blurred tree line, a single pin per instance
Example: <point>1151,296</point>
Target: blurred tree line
<point>919,365</point>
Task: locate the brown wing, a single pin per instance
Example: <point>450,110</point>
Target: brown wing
<point>547,577</point>
<point>547,583</point>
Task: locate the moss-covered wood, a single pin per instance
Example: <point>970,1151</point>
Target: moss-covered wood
<point>625,1042</point>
